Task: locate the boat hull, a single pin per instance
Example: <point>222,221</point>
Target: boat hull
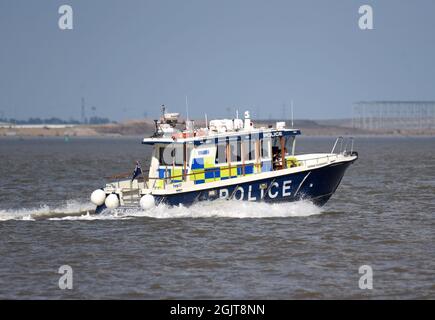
<point>316,185</point>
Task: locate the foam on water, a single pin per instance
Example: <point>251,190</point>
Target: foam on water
<point>76,210</point>
<point>236,209</point>
<point>215,209</point>
<point>71,207</point>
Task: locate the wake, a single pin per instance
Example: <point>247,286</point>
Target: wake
<point>71,207</point>
<point>76,210</point>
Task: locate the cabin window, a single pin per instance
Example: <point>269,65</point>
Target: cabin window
<point>164,159</point>
<point>289,144</point>
<point>265,148</point>
<point>248,149</point>
<point>189,148</point>
<point>221,153</point>
<point>235,151</point>
<point>171,155</point>
<point>178,157</point>
<point>276,142</point>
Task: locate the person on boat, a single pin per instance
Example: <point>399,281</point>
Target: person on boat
<point>137,171</point>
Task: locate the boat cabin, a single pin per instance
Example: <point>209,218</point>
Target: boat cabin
<point>225,149</point>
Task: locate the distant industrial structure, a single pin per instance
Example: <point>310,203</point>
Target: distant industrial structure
<point>83,112</point>
<point>394,115</point>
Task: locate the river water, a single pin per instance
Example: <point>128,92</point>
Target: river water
<point>382,215</point>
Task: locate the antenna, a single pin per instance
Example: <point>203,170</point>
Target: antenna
<point>187,110</point>
<point>237,113</point>
<point>206,121</point>
<point>291,105</point>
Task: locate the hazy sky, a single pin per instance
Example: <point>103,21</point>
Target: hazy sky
<point>129,57</point>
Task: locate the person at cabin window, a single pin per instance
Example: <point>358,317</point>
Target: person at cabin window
<point>276,156</point>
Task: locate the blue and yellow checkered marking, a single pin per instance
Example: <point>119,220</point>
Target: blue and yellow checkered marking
<point>212,173</point>
<point>249,169</point>
<point>204,170</point>
<point>266,166</point>
<point>198,163</point>
<point>175,172</point>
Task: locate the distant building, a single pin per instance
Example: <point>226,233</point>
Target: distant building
<point>394,115</point>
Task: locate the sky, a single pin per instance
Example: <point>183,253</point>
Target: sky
<point>126,58</point>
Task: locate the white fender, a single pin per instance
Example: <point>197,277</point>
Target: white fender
<point>147,202</point>
<point>98,197</point>
<point>112,201</point>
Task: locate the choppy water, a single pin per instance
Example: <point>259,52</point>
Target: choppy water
<point>382,215</point>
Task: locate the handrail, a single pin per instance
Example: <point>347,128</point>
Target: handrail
<point>349,140</point>
<point>344,143</point>
<point>124,175</point>
<point>335,144</point>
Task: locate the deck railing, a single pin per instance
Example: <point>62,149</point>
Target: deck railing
<point>343,142</point>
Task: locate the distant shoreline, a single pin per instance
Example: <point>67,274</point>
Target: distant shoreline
<point>146,127</point>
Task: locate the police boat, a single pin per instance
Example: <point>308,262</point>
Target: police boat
<point>227,159</point>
